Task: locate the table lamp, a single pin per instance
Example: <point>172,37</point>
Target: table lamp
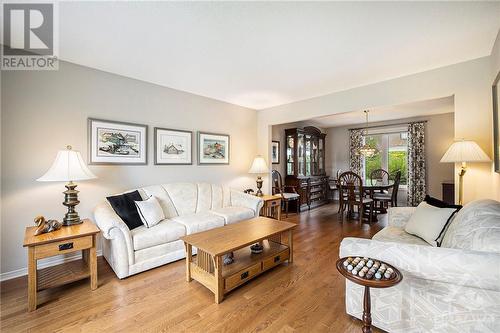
<point>461,152</point>
<point>68,166</point>
<point>259,166</point>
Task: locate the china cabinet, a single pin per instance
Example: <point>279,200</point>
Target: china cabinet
<point>305,165</point>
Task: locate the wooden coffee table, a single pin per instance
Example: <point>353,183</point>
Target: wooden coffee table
<point>208,269</point>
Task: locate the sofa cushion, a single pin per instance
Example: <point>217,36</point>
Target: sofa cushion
<point>428,222</point>
<point>199,222</point>
<point>398,235</point>
<point>184,196</point>
<point>125,208</point>
<point>150,211</point>
<point>234,213</point>
<point>475,227</point>
<point>164,232</point>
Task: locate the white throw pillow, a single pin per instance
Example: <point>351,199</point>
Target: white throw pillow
<point>428,222</point>
<point>150,211</point>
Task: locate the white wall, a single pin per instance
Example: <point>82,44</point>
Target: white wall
<point>43,112</point>
<point>469,83</point>
<point>439,134</point>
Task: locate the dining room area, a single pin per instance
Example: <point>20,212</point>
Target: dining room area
<point>366,161</point>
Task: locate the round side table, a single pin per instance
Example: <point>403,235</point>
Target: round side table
<point>367,283</point>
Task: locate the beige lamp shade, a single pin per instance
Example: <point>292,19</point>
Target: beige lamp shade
<point>259,165</point>
<point>68,166</point>
<point>465,151</point>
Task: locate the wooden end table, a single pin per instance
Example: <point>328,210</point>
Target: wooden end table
<point>373,283</point>
<point>272,206</point>
<point>79,237</point>
<point>208,268</point>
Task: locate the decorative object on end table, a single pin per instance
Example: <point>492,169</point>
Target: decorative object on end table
<point>44,226</point>
<point>496,122</point>
<point>68,166</point>
<point>114,142</point>
<point>372,273</point>
<point>275,152</point>
<point>213,148</point>
<point>173,146</point>
<point>461,152</point>
<point>259,167</point>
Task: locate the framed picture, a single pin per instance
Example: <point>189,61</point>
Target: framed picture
<point>496,123</point>
<point>275,152</point>
<point>115,142</point>
<point>213,148</point>
<point>172,146</point>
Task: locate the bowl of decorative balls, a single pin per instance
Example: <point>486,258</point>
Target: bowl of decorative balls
<point>369,272</point>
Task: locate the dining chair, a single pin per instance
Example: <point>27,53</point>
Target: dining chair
<point>333,185</point>
<point>379,177</point>
<point>279,188</point>
<point>392,197</point>
<point>352,194</point>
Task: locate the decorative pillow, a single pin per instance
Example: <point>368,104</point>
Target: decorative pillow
<point>150,211</point>
<point>125,208</point>
<point>428,222</point>
<point>439,203</point>
<point>476,227</point>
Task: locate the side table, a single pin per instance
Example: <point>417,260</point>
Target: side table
<point>272,206</point>
<point>79,237</point>
<point>395,278</point>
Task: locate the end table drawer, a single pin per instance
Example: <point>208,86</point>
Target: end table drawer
<point>65,246</point>
<point>276,259</point>
<point>241,277</point>
<point>274,203</point>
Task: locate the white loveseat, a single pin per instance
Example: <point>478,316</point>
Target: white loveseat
<point>188,208</point>
<point>452,288</point>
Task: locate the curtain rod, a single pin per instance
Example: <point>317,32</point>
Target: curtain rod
<point>388,125</point>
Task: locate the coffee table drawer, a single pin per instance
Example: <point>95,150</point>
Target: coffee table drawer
<point>65,246</point>
<point>276,259</point>
<point>242,276</point>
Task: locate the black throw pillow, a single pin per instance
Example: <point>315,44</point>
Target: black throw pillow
<point>439,203</point>
<point>125,207</point>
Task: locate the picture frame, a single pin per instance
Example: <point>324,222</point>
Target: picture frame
<point>496,123</point>
<point>172,146</point>
<point>275,152</point>
<point>116,143</point>
<point>213,148</point>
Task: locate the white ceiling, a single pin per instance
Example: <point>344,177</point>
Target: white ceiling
<point>409,110</point>
<point>261,54</point>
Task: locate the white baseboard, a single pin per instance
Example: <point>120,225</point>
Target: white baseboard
<point>43,264</point>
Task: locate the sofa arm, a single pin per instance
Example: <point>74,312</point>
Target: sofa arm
<point>253,202</point>
<point>455,266</point>
<point>399,216</point>
<point>113,227</point>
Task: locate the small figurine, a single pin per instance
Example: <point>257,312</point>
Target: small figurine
<point>44,226</point>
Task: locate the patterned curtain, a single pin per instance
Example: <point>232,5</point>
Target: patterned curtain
<point>355,144</point>
<point>416,163</point>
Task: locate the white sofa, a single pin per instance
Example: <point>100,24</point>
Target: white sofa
<point>188,208</point>
<point>452,288</point>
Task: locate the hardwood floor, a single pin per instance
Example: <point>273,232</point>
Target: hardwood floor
<point>306,296</point>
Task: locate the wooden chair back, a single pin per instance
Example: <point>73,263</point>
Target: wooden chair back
<point>351,185</point>
<point>395,188</point>
<point>277,182</point>
<point>379,177</point>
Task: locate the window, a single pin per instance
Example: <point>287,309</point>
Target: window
<point>392,156</point>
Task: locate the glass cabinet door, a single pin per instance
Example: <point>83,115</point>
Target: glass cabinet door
<point>290,155</point>
<point>308,154</point>
<point>300,154</point>
<point>314,156</point>
<point>321,153</point>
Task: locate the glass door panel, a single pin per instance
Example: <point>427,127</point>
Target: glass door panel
<point>300,155</point>
<point>308,155</point>
<point>290,154</point>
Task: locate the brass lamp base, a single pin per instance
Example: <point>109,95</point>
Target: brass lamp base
<point>70,201</point>
<point>259,187</point>
<point>461,174</point>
